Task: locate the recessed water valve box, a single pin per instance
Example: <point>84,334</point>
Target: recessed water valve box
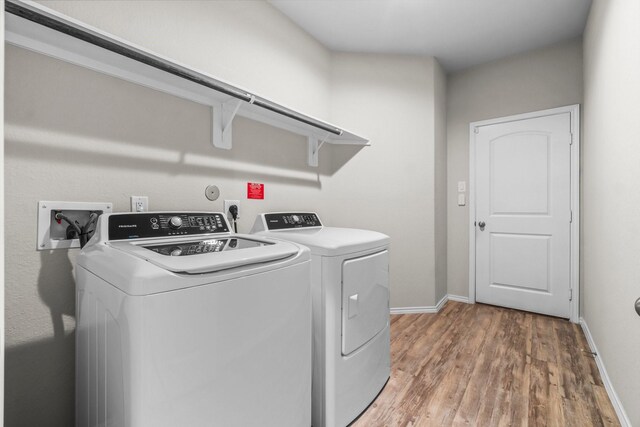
<point>54,234</point>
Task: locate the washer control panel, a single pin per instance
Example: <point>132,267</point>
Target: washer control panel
<point>146,225</point>
<point>287,220</point>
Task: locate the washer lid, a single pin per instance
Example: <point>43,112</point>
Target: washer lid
<point>206,254</point>
<point>332,241</point>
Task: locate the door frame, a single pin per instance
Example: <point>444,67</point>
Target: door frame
<point>574,283</point>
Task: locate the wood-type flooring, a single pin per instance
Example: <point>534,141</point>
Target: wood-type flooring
<point>480,365</point>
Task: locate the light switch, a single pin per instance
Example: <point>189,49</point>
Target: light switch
<point>462,199</point>
<point>462,186</point>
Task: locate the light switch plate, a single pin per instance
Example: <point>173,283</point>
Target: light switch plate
<point>462,199</point>
<point>462,186</point>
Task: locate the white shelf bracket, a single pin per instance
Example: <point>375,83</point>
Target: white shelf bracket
<point>223,115</point>
<point>314,148</point>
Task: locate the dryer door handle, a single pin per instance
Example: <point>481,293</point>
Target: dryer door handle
<point>353,306</point>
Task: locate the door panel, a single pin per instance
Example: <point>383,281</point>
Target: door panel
<point>519,174</point>
<point>520,261</point>
<point>365,299</point>
<point>523,196</point>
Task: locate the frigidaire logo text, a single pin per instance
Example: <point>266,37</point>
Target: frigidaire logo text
<point>127,225</point>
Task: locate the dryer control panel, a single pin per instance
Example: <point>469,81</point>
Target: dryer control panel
<point>287,220</point>
<point>153,224</point>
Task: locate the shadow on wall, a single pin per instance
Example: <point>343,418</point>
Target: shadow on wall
<point>57,287</point>
<point>70,115</point>
<point>276,156</point>
<point>40,375</point>
<point>39,392</point>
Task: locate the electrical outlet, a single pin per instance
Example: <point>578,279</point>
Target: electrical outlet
<point>139,203</point>
<point>228,204</point>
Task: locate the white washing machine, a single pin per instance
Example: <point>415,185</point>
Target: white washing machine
<point>182,323</point>
<point>350,294</point>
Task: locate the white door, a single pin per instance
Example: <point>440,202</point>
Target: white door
<point>523,214</point>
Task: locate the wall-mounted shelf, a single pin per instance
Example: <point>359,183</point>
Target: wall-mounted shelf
<point>40,29</point>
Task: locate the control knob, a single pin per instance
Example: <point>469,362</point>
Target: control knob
<point>175,222</point>
<point>296,219</point>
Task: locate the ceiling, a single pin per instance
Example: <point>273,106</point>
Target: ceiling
<point>460,33</point>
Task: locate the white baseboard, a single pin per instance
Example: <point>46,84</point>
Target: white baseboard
<point>429,309</point>
<point>441,303</point>
<point>413,310</point>
<point>613,396</point>
<point>458,298</point>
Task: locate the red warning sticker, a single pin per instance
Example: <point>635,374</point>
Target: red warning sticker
<point>255,190</point>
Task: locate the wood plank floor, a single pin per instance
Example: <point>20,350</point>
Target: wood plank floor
<point>479,365</point>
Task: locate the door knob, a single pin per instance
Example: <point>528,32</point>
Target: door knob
<point>481,224</point>
<point>638,306</point>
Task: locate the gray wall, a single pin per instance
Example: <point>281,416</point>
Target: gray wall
<point>76,135</point>
<point>611,200</point>
<point>246,43</point>
<point>537,80</point>
<point>440,181</point>
<point>390,99</point>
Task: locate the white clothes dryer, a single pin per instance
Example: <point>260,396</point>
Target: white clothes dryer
<point>180,322</point>
<point>350,298</point>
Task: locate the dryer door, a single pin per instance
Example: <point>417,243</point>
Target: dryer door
<point>365,299</point>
